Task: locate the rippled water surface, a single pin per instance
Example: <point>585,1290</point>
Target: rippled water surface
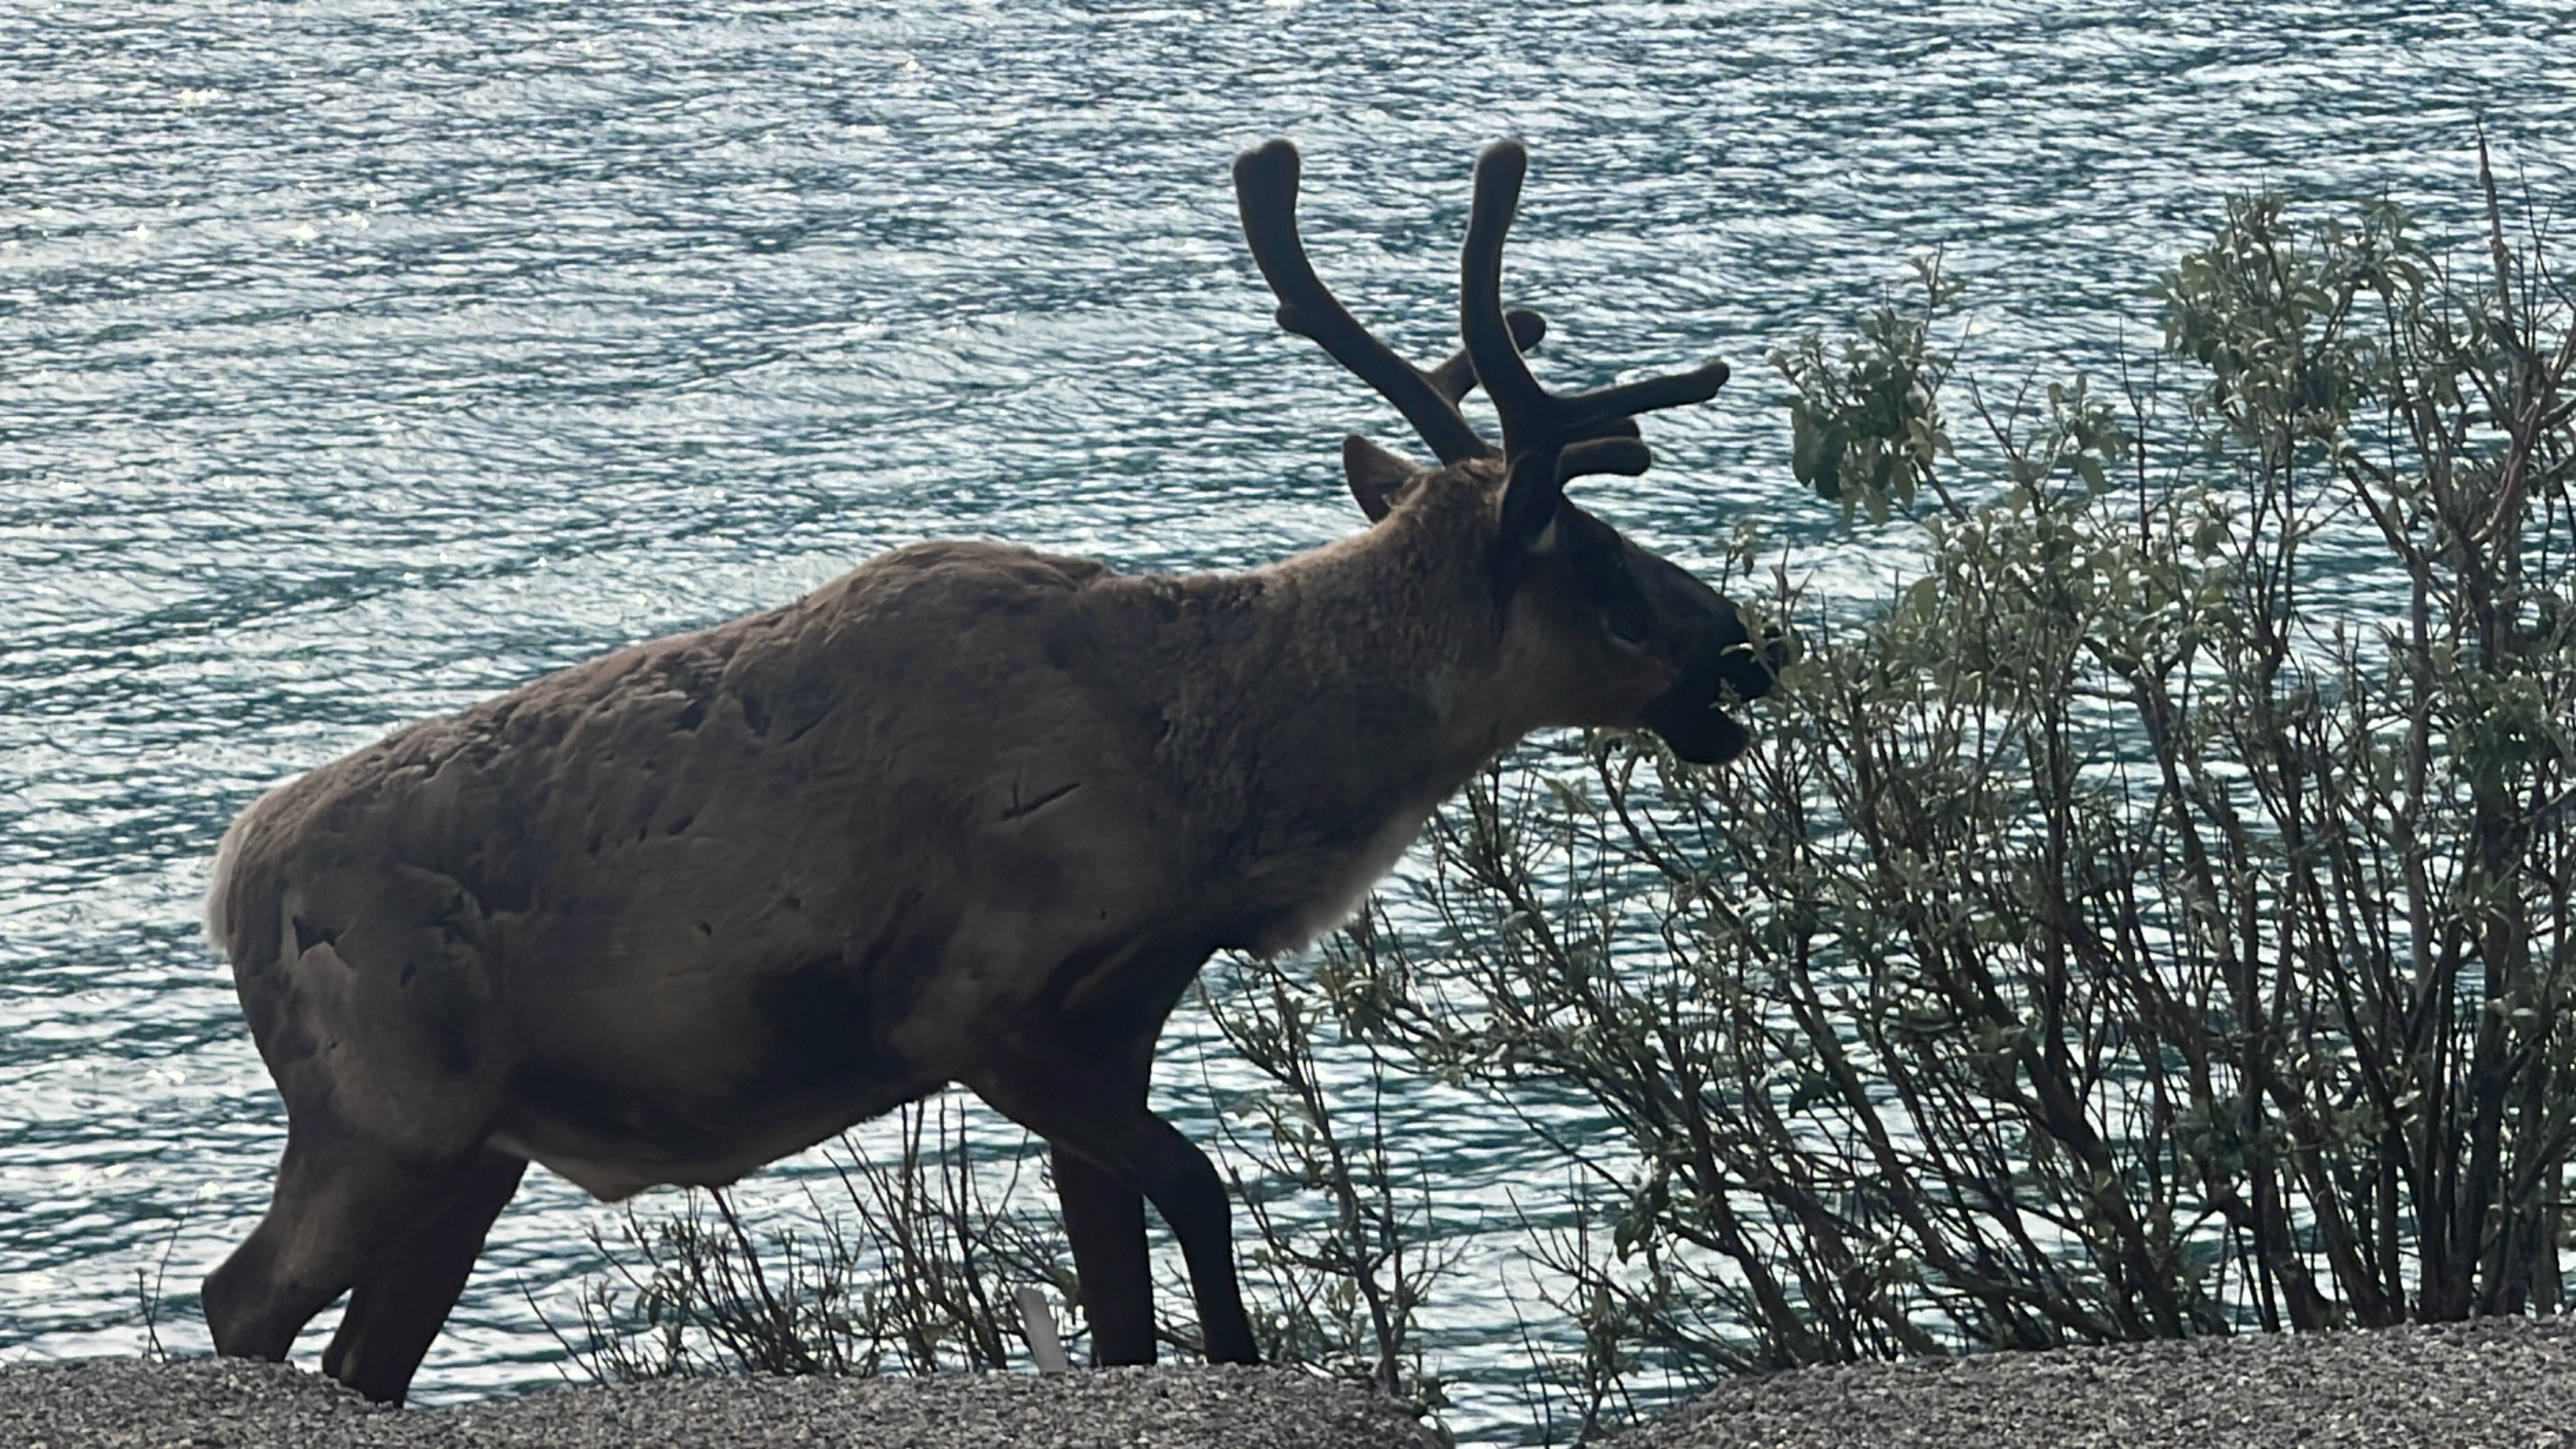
<point>358,360</point>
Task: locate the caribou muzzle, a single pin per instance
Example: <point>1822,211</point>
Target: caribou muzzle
<point>1691,716</point>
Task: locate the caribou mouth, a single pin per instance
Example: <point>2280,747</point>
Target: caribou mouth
<point>1691,716</point>
<point>1701,733</point>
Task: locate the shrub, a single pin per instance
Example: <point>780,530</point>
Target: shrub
<point>2159,920</point>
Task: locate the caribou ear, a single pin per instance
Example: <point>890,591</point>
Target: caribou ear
<point>1376,475</point>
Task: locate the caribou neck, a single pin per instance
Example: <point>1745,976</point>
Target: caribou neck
<point>1362,683</point>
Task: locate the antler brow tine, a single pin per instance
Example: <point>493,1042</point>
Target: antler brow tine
<point>1265,190</point>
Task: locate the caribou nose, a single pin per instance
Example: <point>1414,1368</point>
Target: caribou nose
<point>1747,671</point>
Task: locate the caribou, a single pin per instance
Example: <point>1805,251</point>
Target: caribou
<point>968,814</point>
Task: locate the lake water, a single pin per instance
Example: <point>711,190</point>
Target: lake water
<point>358,360</point>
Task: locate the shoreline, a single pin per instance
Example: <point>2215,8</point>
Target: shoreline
<point>2506,1381</point>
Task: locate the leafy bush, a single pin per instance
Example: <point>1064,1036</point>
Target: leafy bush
<point>2159,920</point>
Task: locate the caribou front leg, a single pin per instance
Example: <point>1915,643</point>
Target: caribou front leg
<point>1183,1186</point>
<point>1104,1219</point>
<point>1112,1156</point>
<point>1145,1156</point>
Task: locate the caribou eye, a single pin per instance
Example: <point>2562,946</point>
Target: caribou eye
<point>1600,563</point>
<point>1613,590</point>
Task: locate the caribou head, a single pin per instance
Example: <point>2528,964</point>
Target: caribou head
<point>968,814</point>
<point>1625,619</point>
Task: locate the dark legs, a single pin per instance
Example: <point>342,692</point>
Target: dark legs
<point>1105,1219</point>
<point>317,1235</point>
<point>1183,1186</point>
<point>1104,1215</point>
<point>347,1213</point>
<point>399,1303</point>
<point>1111,1158</point>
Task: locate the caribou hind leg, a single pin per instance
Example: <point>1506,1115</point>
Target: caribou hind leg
<point>341,1205</point>
<point>402,1299</point>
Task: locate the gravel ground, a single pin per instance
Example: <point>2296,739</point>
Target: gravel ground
<point>2461,1386</point>
<point>2503,1382</point>
<point>104,1403</point>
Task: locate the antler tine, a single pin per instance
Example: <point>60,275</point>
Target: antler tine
<point>1627,456</point>
<point>1265,190</point>
<point>1533,418</point>
<point>1518,399</point>
<point>1456,377</point>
